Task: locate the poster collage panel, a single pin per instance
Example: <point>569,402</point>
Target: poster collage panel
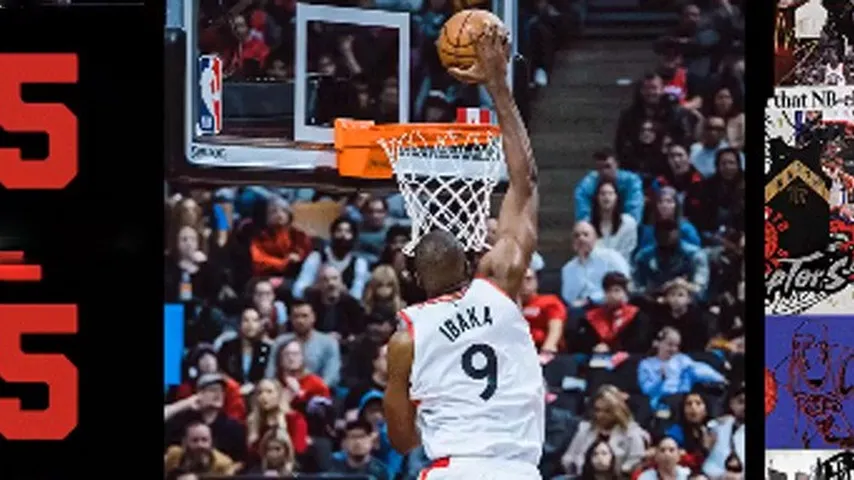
<point>809,244</point>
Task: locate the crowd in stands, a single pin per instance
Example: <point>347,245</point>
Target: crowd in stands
<point>642,346</point>
<point>355,68</point>
<point>654,297</point>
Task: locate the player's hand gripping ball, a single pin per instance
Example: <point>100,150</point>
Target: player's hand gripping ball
<point>474,46</point>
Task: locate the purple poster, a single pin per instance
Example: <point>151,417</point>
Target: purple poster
<point>809,387</point>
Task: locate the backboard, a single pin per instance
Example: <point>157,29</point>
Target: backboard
<point>277,106</point>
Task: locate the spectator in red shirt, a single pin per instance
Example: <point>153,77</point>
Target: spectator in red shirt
<point>616,325</point>
<point>299,383</point>
<point>250,46</point>
<point>675,78</point>
<point>202,360</point>
<point>546,316</point>
<point>279,248</point>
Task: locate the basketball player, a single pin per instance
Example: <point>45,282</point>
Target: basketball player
<point>834,70</point>
<point>465,368</point>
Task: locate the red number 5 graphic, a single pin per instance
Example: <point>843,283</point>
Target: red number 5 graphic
<point>60,167</point>
<point>57,371</point>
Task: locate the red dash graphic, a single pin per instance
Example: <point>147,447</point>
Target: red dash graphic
<point>10,256</point>
<point>12,268</point>
<point>20,273</point>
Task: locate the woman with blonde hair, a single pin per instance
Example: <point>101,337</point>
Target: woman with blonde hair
<point>271,410</point>
<point>611,420</point>
<point>187,213</point>
<point>383,290</point>
<point>276,451</point>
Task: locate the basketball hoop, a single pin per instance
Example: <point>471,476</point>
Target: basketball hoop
<point>445,172</point>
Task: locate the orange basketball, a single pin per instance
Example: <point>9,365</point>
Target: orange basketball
<point>456,43</point>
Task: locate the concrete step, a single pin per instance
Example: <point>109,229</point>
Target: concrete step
<point>629,17</point>
<point>616,32</point>
<point>626,19</point>
<point>605,4</point>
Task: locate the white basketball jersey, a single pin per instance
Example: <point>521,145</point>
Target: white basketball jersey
<point>834,75</point>
<point>476,377</point>
<point>809,20</point>
<point>837,192</point>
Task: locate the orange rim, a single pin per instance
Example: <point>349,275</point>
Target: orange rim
<point>361,155</point>
<point>365,134</point>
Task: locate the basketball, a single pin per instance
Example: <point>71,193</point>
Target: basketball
<point>456,44</point>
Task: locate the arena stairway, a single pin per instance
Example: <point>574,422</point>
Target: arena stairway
<point>626,19</point>
<point>570,118</point>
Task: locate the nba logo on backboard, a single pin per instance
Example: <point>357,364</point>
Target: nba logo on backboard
<point>474,116</point>
<point>210,95</point>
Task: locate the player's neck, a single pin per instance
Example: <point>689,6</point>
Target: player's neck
<point>448,290</point>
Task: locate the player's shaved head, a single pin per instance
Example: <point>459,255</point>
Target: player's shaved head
<point>440,263</point>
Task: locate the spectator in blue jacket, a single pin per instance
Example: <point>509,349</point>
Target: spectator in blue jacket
<point>668,259</point>
<point>371,410</point>
<point>670,372</point>
<point>667,206</point>
<point>629,187</point>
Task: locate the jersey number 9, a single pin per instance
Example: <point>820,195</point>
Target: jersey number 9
<point>488,370</point>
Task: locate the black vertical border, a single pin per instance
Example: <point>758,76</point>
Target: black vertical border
<point>759,72</point>
<point>99,240</point>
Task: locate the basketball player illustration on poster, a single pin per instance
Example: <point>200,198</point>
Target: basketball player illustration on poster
<point>812,42</point>
<point>834,71</point>
<point>811,382</point>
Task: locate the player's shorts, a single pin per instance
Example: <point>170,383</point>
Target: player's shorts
<point>468,468</point>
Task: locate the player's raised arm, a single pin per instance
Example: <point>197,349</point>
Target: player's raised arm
<point>517,222</point>
<point>399,410</point>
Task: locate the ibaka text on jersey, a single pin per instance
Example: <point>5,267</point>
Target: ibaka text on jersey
<point>452,328</point>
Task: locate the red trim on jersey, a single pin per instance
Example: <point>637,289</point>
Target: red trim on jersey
<point>408,322</point>
<point>495,286</point>
<point>438,463</point>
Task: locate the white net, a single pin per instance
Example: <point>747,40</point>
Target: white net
<point>447,182</point>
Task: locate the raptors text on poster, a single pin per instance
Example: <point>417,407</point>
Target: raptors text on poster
<point>59,168</point>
